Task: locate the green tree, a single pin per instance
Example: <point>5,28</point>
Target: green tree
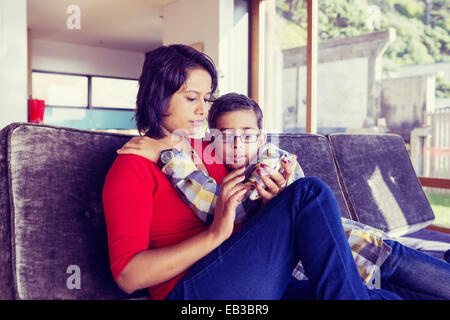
<point>416,43</point>
<point>337,19</point>
<point>422,29</point>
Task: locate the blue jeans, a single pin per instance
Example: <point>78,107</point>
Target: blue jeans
<point>415,275</point>
<point>302,223</point>
<point>406,273</point>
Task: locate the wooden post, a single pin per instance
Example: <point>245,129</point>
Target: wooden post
<point>29,73</point>
<point>311,67</point>
<point>254,50</point>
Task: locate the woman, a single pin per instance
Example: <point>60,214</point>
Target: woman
<point>157,242</point>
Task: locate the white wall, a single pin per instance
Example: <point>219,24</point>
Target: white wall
<point>13,61</point>
<point>233,46</point>
<point>75,58</point>
<point>223,29</point>
<point>191,21</point>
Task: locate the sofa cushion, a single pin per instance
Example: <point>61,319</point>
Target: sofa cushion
<point>55,180</point>
<point>432,242</point>
<point>316,159</point>
<point>380,183</point>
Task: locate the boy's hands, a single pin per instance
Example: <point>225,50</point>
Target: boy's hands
<point>232,191</point>
<point>274,181</point>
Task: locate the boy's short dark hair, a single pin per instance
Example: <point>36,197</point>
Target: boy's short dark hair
<point>233,102</point>
<point>164,71</point>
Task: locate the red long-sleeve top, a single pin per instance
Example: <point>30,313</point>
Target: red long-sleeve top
<point>143,211</point>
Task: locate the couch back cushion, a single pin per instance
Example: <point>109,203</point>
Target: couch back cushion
<point>316,159</point>
<point>380,182</point>
<point>59,242</point>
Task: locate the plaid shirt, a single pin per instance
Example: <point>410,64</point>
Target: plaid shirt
<point>200,192</point>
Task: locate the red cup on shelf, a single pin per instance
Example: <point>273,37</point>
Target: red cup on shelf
<point>36,109</point>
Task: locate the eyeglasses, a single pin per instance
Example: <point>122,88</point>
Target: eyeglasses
<point>245,138</point>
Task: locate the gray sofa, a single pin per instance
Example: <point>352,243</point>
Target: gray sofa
<point>52,230</point>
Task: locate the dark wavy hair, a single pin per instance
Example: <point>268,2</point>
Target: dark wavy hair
<point>233,102</point>
<point>164,71</point>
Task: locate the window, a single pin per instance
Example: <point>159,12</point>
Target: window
<point>84,91</point>
<point>440,203</point>
<point>60,89</point>
<point>114,93</point>
<point>367,52</point>
<point>383,67</point>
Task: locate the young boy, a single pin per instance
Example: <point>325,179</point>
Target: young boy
<point>236,123</point>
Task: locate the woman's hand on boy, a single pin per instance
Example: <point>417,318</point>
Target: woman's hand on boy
<point>143,146</point>
<point>151,148</point>
<point>274,181</point>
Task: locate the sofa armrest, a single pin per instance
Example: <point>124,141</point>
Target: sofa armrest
<point>7,291</point>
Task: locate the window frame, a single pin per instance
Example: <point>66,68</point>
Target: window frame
<point>89,89</point>
<point>311,66</point>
